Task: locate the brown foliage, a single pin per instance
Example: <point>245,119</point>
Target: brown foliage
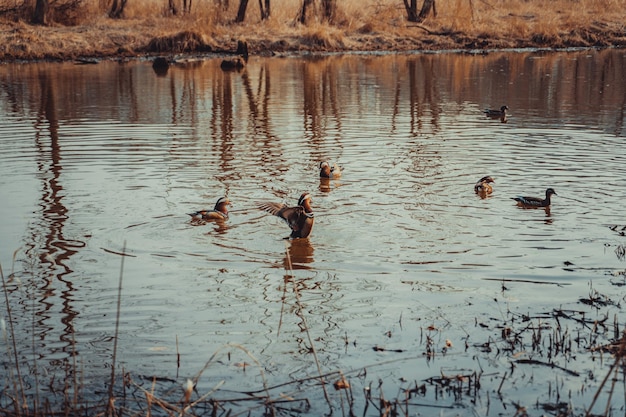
<point>186,41</point>
<point>82,28</point>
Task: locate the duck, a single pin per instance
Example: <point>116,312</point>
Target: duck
<point>299,218</point>
<point>328,171</point>
<point>496,113</point>
<point>535,201</point>
<point>483,187</point>
<point>219,212</point>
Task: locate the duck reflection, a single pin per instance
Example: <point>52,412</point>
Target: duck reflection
<point>327,184</point>
<point>219,226</point>
<point>548,219</point>
<point>299,254</point>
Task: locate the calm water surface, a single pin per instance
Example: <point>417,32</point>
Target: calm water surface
<point>95,157</point>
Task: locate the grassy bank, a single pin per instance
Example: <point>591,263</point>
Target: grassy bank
<point>369,25</point>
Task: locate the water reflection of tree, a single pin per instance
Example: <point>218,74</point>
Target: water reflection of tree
<point>224,119</point>
<point>258,103</point>
<point>222,109</point>
<point>47,242</point>
<point>321,99</point>
<point>264,141</point>
<point>423,92</point>
<point>424,99</point>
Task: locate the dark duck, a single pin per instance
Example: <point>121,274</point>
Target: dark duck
<point>535,201</point>
<point>497,114</point>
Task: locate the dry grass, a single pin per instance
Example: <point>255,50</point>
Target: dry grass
<point>82,28</point>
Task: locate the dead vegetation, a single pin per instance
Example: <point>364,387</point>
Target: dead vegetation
<point>82,28</point>
<point>179,43</point>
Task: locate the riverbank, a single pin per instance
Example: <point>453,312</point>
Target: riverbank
<point>480,28</point>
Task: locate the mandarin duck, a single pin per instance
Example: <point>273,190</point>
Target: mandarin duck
<point>328,171</point>
<point>483,187</point>
<point>219,212</point>
<point>299,218</point>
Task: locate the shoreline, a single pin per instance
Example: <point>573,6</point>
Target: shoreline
<point>22,43</point>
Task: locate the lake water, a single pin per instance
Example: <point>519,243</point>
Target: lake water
<point>408,275</point>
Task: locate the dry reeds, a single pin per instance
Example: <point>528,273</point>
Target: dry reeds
<point>15,378</point>
<point>186,41</point>
<point>619,350</point>
<point>81,28</point>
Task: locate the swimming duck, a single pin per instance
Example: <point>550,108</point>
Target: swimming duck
<point>535,201</point>
<point>496,113</point>
<point>326,171</point>
<point>220,212</point>
<point>483,187</point>
<point>299,218</point>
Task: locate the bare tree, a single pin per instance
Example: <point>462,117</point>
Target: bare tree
<point>171,5</point>
<point>426,8</point>
<point>264,6</point>
<point>241,12</point>
<point>117,9</point>
<point>328,7</point>
<point>411,10</point>
<point>303,10</point>
<point>40,15</point>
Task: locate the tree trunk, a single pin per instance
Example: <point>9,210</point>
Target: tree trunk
<point>411,10</point>
<point>40,16</point>
<point>305,5</point>
<point>241,13</point>
<point>265,9</point>
<point>172,6</point>
<point>117,9</point>
<point>329,9</point>
<point>426,7</point>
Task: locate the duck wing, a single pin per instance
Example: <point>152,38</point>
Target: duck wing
<point>208,215</point>
<point>196,215</point>
<point>214,215</point>
<point>296,217</point>
<point>288,214</point>
<point>272,208</point>
<point>529,201</point>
